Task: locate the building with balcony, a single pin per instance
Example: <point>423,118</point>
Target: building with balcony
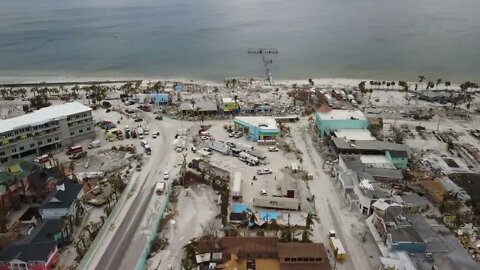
<point>44,130</point>
<point>359,186</point>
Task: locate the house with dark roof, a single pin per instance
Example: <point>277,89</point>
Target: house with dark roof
<point>414,235</point>
<point>61,202</point>
<point>32,256</point>
<point>37,251</point>
<point>46,230</point>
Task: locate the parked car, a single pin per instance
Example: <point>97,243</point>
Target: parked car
<point>264,171</point>
<point>165,175</point>
<point>139,120</point>
<point>134,134</point>
<point>78,155</point>
<point>231,144</point>
<point>272,149</point>
<point>238,134</point>
<point>231,135</point>
<point>207,150</point>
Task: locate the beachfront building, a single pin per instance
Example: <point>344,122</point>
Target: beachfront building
<point>258,128</point>
<point>229,105</point>
<point>44,130</point>
<point>330,121</point>
<point>202,105</point>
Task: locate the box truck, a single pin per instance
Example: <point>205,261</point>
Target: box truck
<point>237,186</point>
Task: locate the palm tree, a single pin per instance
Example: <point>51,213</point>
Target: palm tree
<point>421,80</point>
<point>309,223</point>
<point>80,208</point>
<point>22,91</point>
<point>79,249</point>
<point>438,82</point>
<point>82,238</point>
<point>306,234</point>
<point>89,227</point>
<point>102,219</point>
<point>252,218</point>
<point>447,84</point>
<point>388,85</point>
<point>75,89</point>
<point>34,90</point>
<point>361,86</point>
<point>287,234</point>
<point>273,225</point>
<point>3,92</point>
<point>392,84</point>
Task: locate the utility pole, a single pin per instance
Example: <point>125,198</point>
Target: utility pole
<point>438,124</point>
<point>395,121</point>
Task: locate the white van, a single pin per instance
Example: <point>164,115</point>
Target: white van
<point>94,144</point>
<point>160,187</point>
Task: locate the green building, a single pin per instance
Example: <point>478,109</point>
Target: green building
<point>229,105</point>
<point>398,158</point>
<point>328,122</point>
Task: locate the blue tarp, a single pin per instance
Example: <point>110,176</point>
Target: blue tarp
<point>268,215</point>
<point>239,208</point>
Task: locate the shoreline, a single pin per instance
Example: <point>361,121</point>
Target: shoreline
<point>30,81</point>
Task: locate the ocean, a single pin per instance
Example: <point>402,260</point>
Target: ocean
<point>208,39</point>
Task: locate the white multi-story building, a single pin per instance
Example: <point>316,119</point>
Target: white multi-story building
<point>44,130</point>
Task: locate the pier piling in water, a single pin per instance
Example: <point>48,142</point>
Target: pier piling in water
<point>267,61</point>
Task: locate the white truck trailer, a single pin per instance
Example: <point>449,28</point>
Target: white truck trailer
<point>276,202</point>
<point>220,147</point>
<point>244,147</point>
<point>237,186</point>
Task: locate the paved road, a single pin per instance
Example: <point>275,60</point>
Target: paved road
<point>133,228</point>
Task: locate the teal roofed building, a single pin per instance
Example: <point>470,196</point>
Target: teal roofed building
<point>257,127</point>
<point>328,122</point>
